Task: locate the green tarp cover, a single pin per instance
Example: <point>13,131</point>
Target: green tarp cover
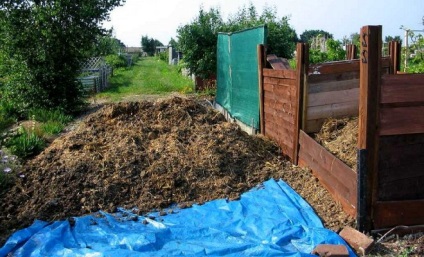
<point>237,74</point>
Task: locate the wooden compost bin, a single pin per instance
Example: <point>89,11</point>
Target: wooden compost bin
<point>296,102</point>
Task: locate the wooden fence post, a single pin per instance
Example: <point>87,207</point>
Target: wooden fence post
<point>394,51</point>
<point>370,83</point>
<point>302,67</point>
<point>261,65</point>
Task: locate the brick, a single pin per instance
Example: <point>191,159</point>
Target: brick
<point>357,240</point>
<point>331,251</point>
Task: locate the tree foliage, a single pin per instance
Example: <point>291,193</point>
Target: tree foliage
<point>43,43</point>
<point>308,35</point>
<point>149,45</point>
<point>106,45</point>
<point>197,40</point>
<point>281,38</point>
<point>334,52</point>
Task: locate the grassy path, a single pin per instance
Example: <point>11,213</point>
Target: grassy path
<point>148,76</point>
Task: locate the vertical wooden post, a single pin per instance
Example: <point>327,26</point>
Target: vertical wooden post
<point>261,64</point>
<point>394,51</point>
<point>369,92</point>
<point>354,52</point>
<point>302,67</point>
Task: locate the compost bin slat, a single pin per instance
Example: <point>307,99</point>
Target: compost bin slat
<point>333,97</point>
<point>332,85</point>
<point>335,110</point>
<point>393,213</point>
<point>335,67</point>
<point>337,177</point>
<point>284,74</point>
<point>279,81</point>
<point>321,78</point>
<point>401,120</point>
<point>402,89</point>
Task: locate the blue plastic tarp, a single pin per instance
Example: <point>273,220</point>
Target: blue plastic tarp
<point>270,220</point>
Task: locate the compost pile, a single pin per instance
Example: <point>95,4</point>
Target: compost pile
<point>149,156</point>
<point>340,137</point>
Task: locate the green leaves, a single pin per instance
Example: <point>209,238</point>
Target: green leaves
<point>197,40</point>
<point>43,43</point>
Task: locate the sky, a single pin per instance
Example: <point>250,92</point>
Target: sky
<point>160,19</point>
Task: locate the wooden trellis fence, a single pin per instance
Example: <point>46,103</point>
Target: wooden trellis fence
<point>95,74</point>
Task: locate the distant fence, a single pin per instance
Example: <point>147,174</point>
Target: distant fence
<point>387,188</point>
<point>95,74</point>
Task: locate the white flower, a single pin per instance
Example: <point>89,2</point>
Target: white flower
<point>7,170</point>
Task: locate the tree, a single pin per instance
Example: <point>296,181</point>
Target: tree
<point>308,35</point>
<point>172,42</point>
<point>281,38</point>
<point>44,42</point>
<point>149,45</point>
<point>198,39</point>
<point>334,52</point>
<point>387,39</point>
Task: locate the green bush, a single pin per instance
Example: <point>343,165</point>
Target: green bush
<point>163,56</point>
<point>116,61</point>
<point>25,144</point>
<point>43,115</point>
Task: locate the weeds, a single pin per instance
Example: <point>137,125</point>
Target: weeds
<point>9,167</point>
<point>43,115</point>
<point>25,143</point>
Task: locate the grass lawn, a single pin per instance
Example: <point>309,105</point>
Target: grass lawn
<point>148,76</point>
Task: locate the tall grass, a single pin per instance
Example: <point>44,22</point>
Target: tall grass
<point>148,76</point>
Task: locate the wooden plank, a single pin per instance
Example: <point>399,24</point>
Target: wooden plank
<point>370,83</point>
<point>405,183</point>
<point>330,165</point>
<point>390,214</point>
<point>400,151</point>
<point>344,66</point>
<point>279,103</point>
<point>320,78</point>
<point>336,110</point>
<point>279,116</point>
<point>280,81</point>
<point>301,94</point>
<point>334,67</point>
<point>333,97</point>
<point>403,89</point>
<point>401,120</point>
<point>337,177</point>
<point>314,126</point>
<point>261,57</point>
<point>278,63</point>
<point>283,74</point>
<point>329,86</point>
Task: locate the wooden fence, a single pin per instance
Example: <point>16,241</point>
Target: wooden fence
<point>391,130</point>
<point>95,74</point>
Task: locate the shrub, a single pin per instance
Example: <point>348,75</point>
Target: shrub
<point>43,115</point>
<point>25,143</point>
<point>163,56</point>
<point>116,61</point>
